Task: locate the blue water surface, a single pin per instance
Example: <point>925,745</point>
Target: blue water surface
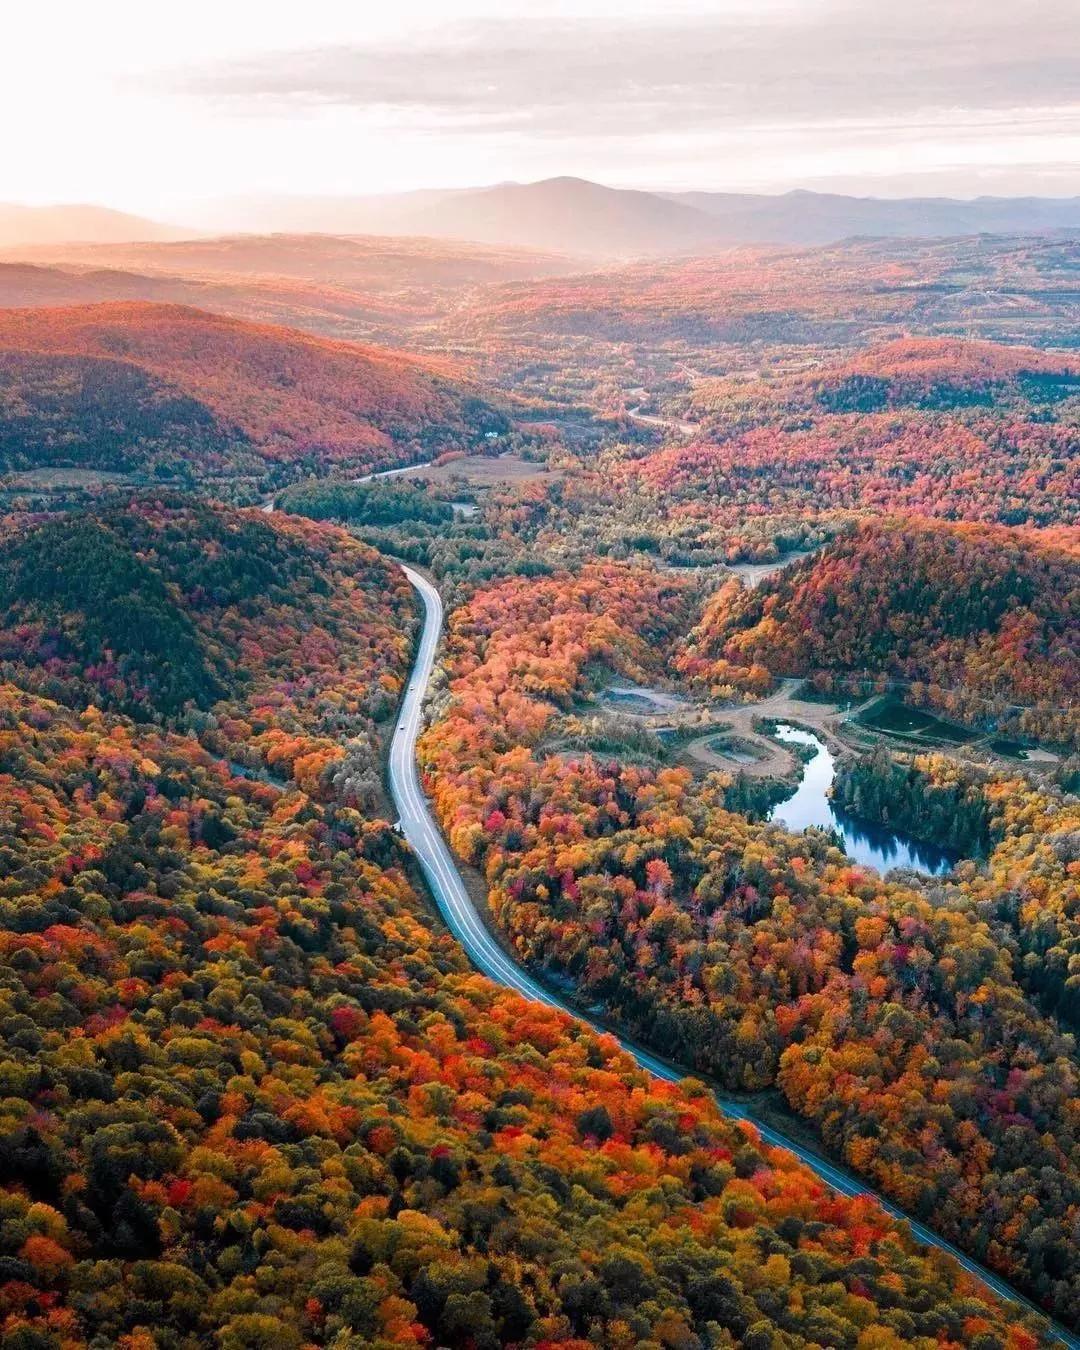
<point>872,845</point>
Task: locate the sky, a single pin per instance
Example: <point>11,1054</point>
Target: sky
<point>173,110</point>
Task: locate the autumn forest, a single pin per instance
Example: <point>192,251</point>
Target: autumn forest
<point>748,743</point>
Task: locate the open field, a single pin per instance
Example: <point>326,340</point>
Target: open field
<point>481,471</point>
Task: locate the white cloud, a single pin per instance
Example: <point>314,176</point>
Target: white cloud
<point>152,107</point>
<point>617,77</point>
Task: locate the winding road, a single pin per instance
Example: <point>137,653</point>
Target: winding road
<point>447,886</point>
<point>668,423</point>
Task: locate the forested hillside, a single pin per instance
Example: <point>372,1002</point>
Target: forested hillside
<point>366,288</point>
<point>1016,472</point>
<point>979,621</point>
<point>918,372</point>
<point>278,643</point>
<point>947,428</point>
<point>362,263</point>
<point>177,390</point>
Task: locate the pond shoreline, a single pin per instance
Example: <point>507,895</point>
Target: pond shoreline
<point>869,844</point>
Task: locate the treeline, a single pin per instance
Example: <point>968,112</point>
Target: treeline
<point>754,797</point>
<point>947,806</point>
<point>376,503</point>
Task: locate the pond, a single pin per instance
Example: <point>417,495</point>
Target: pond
<point>872,845</point>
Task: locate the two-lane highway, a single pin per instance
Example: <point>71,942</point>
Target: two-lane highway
<point>418,824</point>
<point>456,907</point>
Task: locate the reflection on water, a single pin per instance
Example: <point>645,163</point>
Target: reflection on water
<point>873,845</point>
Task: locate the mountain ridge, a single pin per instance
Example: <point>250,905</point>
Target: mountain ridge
<point>576,215</point>
<point>566,215</point>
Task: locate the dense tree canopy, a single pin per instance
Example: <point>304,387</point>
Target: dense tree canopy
<point>980,621</point>
<point>279,643</point>
<point>913,1022</point>
<point>253,1094</point>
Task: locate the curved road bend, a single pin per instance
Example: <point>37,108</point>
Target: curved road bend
<point>448,888</point>
<point>671,424</point>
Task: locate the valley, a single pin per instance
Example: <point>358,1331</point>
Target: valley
<point>698,553</point>
<point>540,676</point>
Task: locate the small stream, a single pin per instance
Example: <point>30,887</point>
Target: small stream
<point>872,845</point>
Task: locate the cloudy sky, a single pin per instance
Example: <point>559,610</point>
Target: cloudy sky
<point>165,108</point>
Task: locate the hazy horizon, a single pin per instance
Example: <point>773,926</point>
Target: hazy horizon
<point>163,115</point>
<point>243,212</point>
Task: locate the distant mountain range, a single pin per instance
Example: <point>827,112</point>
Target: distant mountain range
<point>572,215</point>
<point>802,217</point>
<point>87,224</point>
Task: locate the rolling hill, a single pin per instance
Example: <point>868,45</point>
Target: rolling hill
<point>567,215</point>
<point>979,619</point>
<point>926,373</point>
<point>122,386</point>
<point>355,315</point>
<point>380,314</point>
<point>161,602</point>
<point>369,289</point>
<point>365,262</point>
<point>802,217</point>
<point>562,215</point>
<point>948,370</point>
<point>570,214</point>
<point>93,224</point>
